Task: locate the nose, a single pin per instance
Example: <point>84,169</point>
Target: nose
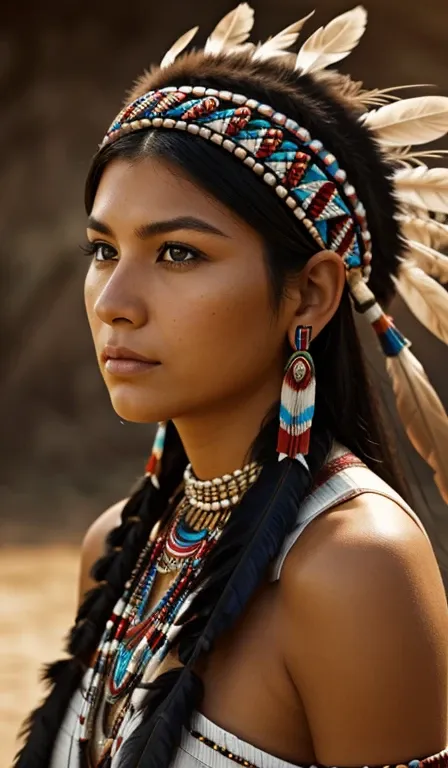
<point>121,299</point>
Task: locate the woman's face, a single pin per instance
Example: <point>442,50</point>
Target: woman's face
<point>181,281</point>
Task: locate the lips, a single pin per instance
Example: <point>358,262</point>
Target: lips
<point>123,353</point>
<point>123,362</point>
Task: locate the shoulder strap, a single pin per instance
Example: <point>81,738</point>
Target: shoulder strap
<point>343,478</point>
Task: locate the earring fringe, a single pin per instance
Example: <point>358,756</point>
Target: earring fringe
<point>153,463</point>
<point>297,399</point>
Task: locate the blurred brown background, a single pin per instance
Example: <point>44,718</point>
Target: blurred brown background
<point>65,455</point>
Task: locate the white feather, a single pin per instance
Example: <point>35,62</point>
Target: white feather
<point>424,231</point>
<point>278,45</point>
<point>426,299</point>
<point>333,42</point>
<point>409,121</point>
<point>423,187</point>
<point>231,31</point>
<point>422,414</point>
<point>178,47</point>
<point>429,260</point>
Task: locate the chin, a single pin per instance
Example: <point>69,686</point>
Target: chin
<point>138,407</point>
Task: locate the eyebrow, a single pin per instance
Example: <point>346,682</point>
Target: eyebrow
<point>160,227</point>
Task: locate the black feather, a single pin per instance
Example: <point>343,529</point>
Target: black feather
<point>42,726</point>
<point>177,694</point>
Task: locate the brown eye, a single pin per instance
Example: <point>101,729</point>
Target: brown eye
<point>177,254</point>
<point>103,252</point>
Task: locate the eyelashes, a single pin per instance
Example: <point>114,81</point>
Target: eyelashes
<point>102,252</point>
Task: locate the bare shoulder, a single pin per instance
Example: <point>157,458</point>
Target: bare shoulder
<point>93,544</point>
<point>365,623</point>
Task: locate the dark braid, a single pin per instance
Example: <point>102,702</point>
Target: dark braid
<point>123,546</point>
<point>230,576</point>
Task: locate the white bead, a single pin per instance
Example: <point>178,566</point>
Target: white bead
<point>216,506</point>
<point>259,168</point>
<point>216,481</point>
<point>217,139</point>
<point>240,152</point>
<point>207,507</point>
<point>229,145</point>
<point>270,179</point>
<point>186,89</point>
<point>281,191</point>
<point>205,133</point>
<point>264,109</point>
<point>207,483</point>
<point>226,478</point>
<point>198,90</point>
<point>193,128</point>
<point>193,502</point>
<point>250,162</point>
<point>169,123</point>
<point>291,203</point>
<point>235,499</point>
<point>211,92</point>
<point>239,98</point>
<point>225,503</point>
<point>181,125</point>
<point>157,122</point>
<point>237,472</point>
<point>252,104</point>
<point>226,95</point>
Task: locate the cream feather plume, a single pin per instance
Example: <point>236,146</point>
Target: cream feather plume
<point>409,121</point>
<point>424,231</point>
<point>178,47</point>
<point>407,157</point>
<point>231,31</point>
<point>423,187</point>
<point>429,260</point>
<point>333,42</point>
<point>422,414</point>
<point>278,44</point>
<point>426,299</point>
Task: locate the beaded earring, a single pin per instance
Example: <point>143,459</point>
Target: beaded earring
<point>153,463</point>
<point>297,399</point>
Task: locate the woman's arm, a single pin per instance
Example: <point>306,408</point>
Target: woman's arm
<point>93,545</point>
<point>366,635</point>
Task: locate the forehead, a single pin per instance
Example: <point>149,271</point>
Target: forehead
<point>150,189</point>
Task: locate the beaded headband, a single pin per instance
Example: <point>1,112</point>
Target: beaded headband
<point>308,178</point>
<point>301,172</point>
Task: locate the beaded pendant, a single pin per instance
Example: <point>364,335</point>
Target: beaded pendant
<point>133,636</point>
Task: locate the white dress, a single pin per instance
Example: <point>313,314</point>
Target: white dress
<point>342,482</point>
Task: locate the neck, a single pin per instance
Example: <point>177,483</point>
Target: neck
<point>218,442</point>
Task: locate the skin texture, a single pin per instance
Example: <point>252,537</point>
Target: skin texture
<point>214,381</point>
<point>343,661</point>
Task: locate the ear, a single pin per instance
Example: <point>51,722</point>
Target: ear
<point>320,285</point>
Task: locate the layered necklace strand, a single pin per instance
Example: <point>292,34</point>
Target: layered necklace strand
<point>131,638</point>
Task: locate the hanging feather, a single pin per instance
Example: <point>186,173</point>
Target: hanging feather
<point>429,260</point>
<point>333,42</point>
<point>424,231</point>
<point>178,47</point>
<point>409,121</point>
<point>422,414</point>
<point>423,187</point>
<point>426,299</point>
<point>278,45</point>
<point>231,31</point>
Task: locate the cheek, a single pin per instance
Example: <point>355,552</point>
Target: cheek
<point>222,326</point>
<point>92,289</point>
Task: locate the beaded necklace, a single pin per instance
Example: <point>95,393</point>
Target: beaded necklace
<point>132,636</point>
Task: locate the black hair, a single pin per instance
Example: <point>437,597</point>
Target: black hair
<point>346,410</point>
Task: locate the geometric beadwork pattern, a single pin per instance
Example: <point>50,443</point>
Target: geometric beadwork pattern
<point>281,152</point>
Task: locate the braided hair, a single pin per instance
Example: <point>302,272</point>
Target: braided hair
<point>268,510</point>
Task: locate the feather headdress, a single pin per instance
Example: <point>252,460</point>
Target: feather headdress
<point>397,125</point>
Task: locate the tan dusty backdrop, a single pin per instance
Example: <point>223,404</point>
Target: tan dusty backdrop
<point>65,456</point>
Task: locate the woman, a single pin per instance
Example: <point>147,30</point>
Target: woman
<point>250,610</point>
